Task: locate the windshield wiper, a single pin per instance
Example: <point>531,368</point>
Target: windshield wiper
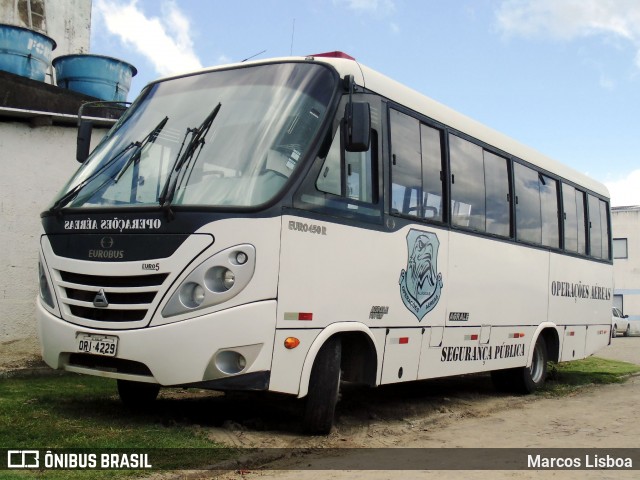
<point>135,157</point>
<point>71,194</point>
<point>195,144</point>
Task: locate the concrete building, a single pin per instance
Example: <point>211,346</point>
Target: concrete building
<point>38,127</point>
<point>626,262</point>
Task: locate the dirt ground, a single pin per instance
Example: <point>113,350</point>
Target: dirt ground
<point>462,412</point>
<point>19,354</point>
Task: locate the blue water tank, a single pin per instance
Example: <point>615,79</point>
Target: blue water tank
<point>98,76</point>
<point>25,52</point>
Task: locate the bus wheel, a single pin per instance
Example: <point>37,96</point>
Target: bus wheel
<point>533,377</point>
<point>524,379</point>
<point>137,394</point>
<point>324,385</point>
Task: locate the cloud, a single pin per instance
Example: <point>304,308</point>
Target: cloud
<point>164,40</point>
<point>367,6</point>
<point>569,19</point>
<point>625,191</point>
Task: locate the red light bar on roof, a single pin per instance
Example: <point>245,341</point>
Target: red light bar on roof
<point>335,54</point>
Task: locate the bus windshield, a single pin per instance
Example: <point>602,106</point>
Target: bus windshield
<point>224,138</point>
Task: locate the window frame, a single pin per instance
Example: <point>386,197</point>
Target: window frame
<point>626,248</point>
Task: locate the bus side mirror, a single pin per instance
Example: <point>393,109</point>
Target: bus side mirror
<point>358,126</point>
<point>83,144</point>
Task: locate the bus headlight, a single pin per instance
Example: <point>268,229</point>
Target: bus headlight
<point>191,295</point>
<point>45,289</point>
<point>214,281</point>
<point>219,279</point>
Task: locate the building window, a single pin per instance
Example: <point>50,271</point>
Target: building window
<point>620,248</point>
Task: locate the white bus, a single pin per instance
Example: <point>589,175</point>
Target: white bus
<point>286,224</point>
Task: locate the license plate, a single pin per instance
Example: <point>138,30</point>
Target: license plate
<point>97,344</point>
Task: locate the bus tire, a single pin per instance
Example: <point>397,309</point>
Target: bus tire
<point>524,379</point>
<point>137,394</point>
<point>533,377</point>
<point>324,386</point>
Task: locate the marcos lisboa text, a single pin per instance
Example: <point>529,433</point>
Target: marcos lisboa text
<point>29,459</point>
<point>589,461</point>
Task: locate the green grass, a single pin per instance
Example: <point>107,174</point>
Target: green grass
<point>73,411</point>
<point>569,377</point>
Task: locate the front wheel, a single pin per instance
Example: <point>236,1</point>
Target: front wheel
<point>137,394</point>
<point>627,332</point>
<point>324,385</point>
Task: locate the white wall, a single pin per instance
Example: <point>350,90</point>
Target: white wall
<point>35,163</point>
<point>626,224</point>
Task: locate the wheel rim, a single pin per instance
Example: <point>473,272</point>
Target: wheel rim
<point>537,367</point>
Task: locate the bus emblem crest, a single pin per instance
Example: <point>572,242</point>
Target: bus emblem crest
<point>421,284</point>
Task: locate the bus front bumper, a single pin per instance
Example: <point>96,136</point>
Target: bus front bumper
<point>230,349</point>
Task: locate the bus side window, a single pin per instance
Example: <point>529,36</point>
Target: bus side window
<point>330,179</point>
<point>496,178</point>
<point>570,218</point>
<point>431,146</point>
<point>357,180</point>
<point>416,166</point>
<point>536,207</point>
<point>406,165</point>
<point>467,184</point>
<point>574,220</point>
<point>598,228</point>
<point>528,216</point>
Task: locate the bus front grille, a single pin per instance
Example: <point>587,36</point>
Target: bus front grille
<point>97,300</point>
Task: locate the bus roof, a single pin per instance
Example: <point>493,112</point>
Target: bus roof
<point>418,102</point>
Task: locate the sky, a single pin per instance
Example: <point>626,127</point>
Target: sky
<point>562,76</point>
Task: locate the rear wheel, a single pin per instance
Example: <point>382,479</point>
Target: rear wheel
<point>324,385</point>
<point>524,379</point>
<point>614,331</point>
<point>137,394</point>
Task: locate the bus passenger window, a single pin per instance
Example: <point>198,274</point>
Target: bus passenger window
<point>582,222</point>
<point>570,218</point>
<point>528,217</point>
<point>431,143</point>
<point>595,230</point>
<point>574,221</point>
<point>604,226</point>
<point>467,184</point>
<point>599,228</point>
<point>496,179</point>
<point>549,211</point>
<point>537,219</point>
<point>416,166</point>
<point>406,168</point>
